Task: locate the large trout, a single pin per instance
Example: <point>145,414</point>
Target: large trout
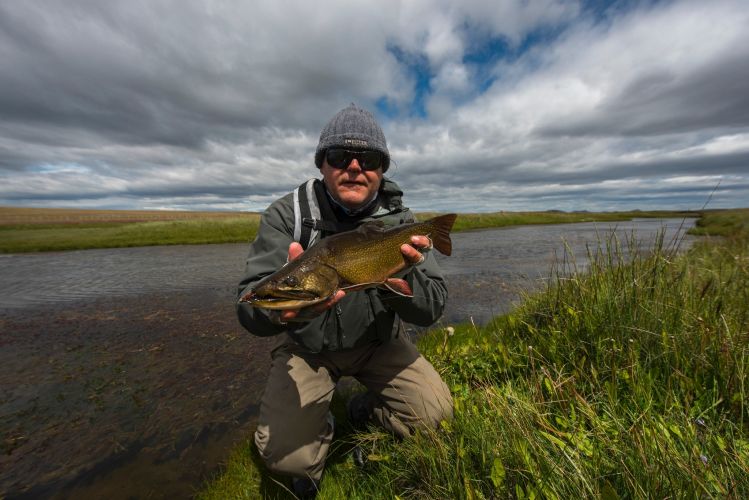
<point>366,257</point>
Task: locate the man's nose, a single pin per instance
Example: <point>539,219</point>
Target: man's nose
<point>354,164</point>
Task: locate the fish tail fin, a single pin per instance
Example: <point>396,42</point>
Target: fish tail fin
<point>441,235</point>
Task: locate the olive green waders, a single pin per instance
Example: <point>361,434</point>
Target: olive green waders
<point>294,430</point>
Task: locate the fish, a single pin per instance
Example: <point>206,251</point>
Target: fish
<point>365,257</point>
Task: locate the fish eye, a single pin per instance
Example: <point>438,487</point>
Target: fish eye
<point>291,281</point>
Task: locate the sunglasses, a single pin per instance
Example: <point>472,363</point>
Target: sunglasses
<point>341,158</point>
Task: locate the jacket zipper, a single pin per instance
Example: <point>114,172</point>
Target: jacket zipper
<point>339,321</point>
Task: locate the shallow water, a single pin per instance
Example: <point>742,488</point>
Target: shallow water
<point>56,277</point>
<point>124,373</point>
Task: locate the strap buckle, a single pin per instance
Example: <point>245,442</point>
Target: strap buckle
<point>310,222</point>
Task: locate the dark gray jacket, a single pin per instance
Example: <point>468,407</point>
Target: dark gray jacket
<point>360,317</point>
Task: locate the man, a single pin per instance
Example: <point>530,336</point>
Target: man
<point>359,334</point>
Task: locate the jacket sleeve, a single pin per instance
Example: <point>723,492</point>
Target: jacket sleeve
<point>429,294</point>
<point>267,254</point>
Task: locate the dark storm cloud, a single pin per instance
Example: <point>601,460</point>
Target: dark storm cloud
<point>661,102</point>
<point>695,165</point>
<point>186,191</point>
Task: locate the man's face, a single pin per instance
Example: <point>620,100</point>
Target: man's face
<point>351,186</point>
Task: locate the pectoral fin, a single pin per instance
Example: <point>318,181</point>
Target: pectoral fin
<point>399,286</point>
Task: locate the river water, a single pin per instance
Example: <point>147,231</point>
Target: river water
<point>514,258</point>
<point>124,374</point>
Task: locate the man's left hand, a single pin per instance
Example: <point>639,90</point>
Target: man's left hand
<point>414,252</point>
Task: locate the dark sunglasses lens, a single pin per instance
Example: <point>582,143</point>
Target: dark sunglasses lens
<point>370,160</point>
<point>338,158</point>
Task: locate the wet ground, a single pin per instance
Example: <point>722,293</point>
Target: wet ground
<point>124,374</point>
<point>138,397</point>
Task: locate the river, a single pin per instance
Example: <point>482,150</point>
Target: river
<point>124,374</point>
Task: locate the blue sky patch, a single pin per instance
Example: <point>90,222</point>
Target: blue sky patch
<point>418,69</point>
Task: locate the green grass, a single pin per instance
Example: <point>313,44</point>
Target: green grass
<point>722,223</point>
<point>628,380</point>
<point>50,237</point>
<point>55,230</point>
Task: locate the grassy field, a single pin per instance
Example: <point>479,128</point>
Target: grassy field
<point>628,381</point>
<point>722,223</point>
<point>37,230</point>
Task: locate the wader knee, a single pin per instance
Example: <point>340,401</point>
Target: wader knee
<point>298,458</point>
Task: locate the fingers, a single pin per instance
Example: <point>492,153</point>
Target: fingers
<point>276,318</point>
<point>286,316</point>
<point>295,250</point>
<point>412,255</point>
<point>411,252</point>
<point>422,242</point>
<point>333,300</point>
<point>324,306</point>
<point>311,311</point>
<point>337,296</point>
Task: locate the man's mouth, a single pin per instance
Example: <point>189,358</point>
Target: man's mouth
<point>353,183</point>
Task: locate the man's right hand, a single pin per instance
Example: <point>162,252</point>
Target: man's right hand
<point>295,250</point>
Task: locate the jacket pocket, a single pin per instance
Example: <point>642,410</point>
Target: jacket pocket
<point>355,320</point>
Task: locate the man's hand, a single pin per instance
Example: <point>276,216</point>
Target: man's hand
<point>414,252</point>
<point>295,250</point>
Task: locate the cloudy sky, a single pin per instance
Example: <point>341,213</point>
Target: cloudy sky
<point>486,105</point>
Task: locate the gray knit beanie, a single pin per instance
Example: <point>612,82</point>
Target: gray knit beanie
<point>353,128</point>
